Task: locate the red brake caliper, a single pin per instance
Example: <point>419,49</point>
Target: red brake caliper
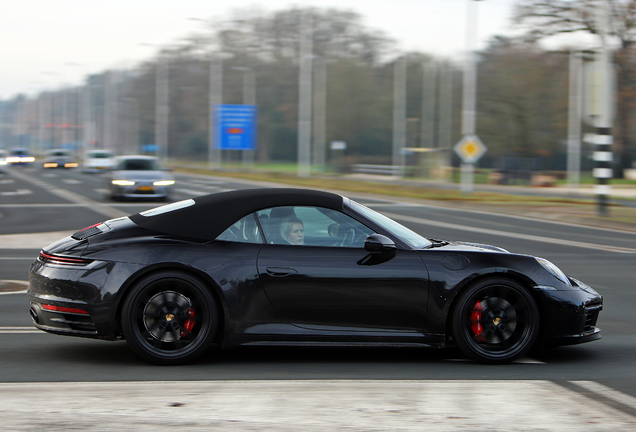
<point>188,325</point>
<point>475,320</point>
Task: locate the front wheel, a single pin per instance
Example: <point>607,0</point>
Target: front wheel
<point>169,318</point>
<point>496,321</point>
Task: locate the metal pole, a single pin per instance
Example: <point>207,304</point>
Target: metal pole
<point>304,96</point>
<point>574,121</point>
<point>399,113</point>
<point>320,108</point>
<point>249,98</point>
<point>162,111</point>
<point>428,105</point>
<point>215,98</point>
<point>469,92</point>
<point>603,152</point>
<point>445,133</point>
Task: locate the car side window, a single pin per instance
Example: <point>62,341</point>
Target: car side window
<point>311,226</point>
<point>244,230</point>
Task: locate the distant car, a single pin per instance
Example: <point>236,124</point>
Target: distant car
<point>59,158</point>
<point>139,177</point>
<point>226,270</point>
<point>20,156</point>
<point>98,160</point>
<point>3,161</point>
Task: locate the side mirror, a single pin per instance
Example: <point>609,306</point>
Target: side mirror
<point>379,244</point>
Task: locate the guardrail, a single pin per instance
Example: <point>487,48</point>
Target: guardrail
<point>392,170</point>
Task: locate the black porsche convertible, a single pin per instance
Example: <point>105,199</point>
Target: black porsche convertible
<point>299,267</point>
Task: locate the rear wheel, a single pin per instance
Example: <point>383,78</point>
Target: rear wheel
<point>169,318</point>
<point>496,321</point>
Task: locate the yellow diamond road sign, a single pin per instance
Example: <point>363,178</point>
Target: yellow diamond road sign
<point>470,149</point>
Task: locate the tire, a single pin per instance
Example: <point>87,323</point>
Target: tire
<point>496,321</point>
<point>169,318</point>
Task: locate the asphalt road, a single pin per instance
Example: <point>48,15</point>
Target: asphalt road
<point>37,201</point>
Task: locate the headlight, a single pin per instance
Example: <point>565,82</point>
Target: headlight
<point>553,270</point>
<point>123,182</point>
<point>163,183</point>
<point>27,159</point>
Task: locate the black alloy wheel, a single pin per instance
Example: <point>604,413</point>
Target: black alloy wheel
<point>169,318</point>
<point>496,321</point>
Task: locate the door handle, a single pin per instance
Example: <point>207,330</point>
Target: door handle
<point>280,271</point>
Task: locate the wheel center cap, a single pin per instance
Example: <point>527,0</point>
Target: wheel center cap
<point>496,321</point>
<point>169,317</point>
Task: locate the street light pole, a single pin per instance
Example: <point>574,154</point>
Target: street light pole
<point>215,98</point>
<point>304,99</point>
<point>162,110</point>
<point>603,151</point>
<point>399,113</point>
<point>469,113</point>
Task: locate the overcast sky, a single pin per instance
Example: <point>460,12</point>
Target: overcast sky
<point>47,44</point>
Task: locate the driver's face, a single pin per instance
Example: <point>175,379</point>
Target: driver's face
<point>297,234</point>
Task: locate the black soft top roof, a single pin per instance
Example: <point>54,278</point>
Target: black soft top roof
<point>212,214</point>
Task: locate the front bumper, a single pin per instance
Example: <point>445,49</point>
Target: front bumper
<point>141,190</point>
<point>571,317</point>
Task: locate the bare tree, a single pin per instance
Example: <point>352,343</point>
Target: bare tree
<point>544,18</point>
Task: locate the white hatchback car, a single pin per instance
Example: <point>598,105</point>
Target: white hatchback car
<point>99,160</point>
<point>3,161</point>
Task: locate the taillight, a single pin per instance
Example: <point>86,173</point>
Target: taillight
<point>64,309</point>
<point>58,259</point>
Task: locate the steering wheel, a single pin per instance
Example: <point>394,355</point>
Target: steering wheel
<point>347,239</point>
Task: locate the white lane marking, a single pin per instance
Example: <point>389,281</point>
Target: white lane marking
<point>192,192</point>
<point>19,330</point>
<point>17,192</point>
<point>31,240</point>
<point>607,392</point>
<point>39,205</point>
<point>514,235</point>
<point>16,258</point>
<point>72,181</point>
<point>96,206</point>
<point>7,181</point>
<point>318,405</point>
<point>49,175</point>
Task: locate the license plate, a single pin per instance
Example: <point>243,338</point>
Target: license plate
<point>144,188</point>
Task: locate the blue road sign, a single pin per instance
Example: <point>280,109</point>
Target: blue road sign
<point>235,127</point>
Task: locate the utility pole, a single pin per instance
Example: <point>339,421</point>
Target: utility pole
<point>603,140</point>
<point>399,113</point>
<point>304,98</point>
<point>215,98</point>
<point>162,110</point>
<point>574,120</point>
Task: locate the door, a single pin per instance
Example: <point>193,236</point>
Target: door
<point>327,282</point>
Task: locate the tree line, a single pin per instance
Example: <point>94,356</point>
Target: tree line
<point>522,99</point>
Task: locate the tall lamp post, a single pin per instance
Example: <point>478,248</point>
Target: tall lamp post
<point>470,146</point>
<point>304,97</point>
<point>603,140</point>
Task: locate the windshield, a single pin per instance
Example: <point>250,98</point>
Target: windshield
<point>100,155</point>
<point>403,233</point>
<point>138,165</point>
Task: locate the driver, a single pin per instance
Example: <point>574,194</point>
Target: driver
<point>292,230</point>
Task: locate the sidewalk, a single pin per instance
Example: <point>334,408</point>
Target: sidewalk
<point>309,406</point>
